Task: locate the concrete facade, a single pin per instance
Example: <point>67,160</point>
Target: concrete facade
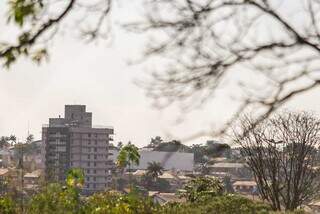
<point>170,160</point>
<point>72,142</point>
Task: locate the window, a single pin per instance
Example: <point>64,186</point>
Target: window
<point>88,164</point>
<point>89,142</point>
<point>94,178</point>
<point>95,156</point>
<point>89,135</point>
<point>88,171</point>
<point>88,178</point>
<point>88,186</point>
<point>88,156</point>
<point>95,163</point>
<point>95,149</point>
<point>94,171</point>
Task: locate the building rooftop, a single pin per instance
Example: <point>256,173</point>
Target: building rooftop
<point>170,197</point>
<point>228,165</point>
<point>245,183</point>
<point>139,172</point>
<point>167,175</point>
<point>3,171</point>
<point>34,174</point>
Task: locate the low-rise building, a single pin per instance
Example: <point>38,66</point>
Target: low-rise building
<point>248,187</point>
<point>163,198</point>
<point>32,179</point>
<point>235,170</point>
<point>5,157</point>
<point>179,161</point>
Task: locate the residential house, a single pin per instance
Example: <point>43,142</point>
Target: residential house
<point>163,198</point>
<point>247,187</point>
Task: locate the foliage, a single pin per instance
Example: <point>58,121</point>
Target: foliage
<point>154,169</point>
<point>154,142</point>
<point>160,184</point>
<point>116,203</point>
<point>226,204</point>
<point>202,188</point>
<point>7,206</point>
<point>172,146</point>
<point>211,149</point>
<point>55,199</point>
<point>281,152</point>
<point>75,178</point>
<point>128,155</point>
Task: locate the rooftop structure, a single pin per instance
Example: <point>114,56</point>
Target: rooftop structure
<point>72,142</point>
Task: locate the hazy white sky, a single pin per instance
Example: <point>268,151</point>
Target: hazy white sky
<point>98,76</point>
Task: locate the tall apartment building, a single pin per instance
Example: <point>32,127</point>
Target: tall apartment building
<point>72,142</point>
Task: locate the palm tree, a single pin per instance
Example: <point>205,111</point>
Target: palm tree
<point>128,156</point>
<point>154,169</point>
<point>75,178</point>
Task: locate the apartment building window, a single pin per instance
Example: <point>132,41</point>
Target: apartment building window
<point>94,178</point>
<point>95,156</point>
<point>89,142</point>
<point>94,171</point>
<point>95,164</point>
<point>94,186</point>
<point>88,171</point>
<point>88,186</point>
<point>88,156</point>
<point>88,178</point>
<point>88,163</point>
<point>89,135</point>
<point>95,149</point>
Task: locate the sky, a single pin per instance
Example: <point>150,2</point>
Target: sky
<point>98,75</point>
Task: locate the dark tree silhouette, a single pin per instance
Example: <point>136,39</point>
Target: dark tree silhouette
<point>210,45</point>
<point>282,152</point>
<point>217,46</point>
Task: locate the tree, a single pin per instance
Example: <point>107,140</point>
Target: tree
<point>75,178</point>
<point>128,156</point>
<point>155,142</point>
<point>13,139</point>
<point>4,141</point>
<point>202,188</point>
<point>119,145</point>
<point>281,152</point>
<point>154,169</point>
<point>30,138</point>
<point>203,168</point>
<point>206,44</point>
<point>210,43</point>
<point>216,149</point>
